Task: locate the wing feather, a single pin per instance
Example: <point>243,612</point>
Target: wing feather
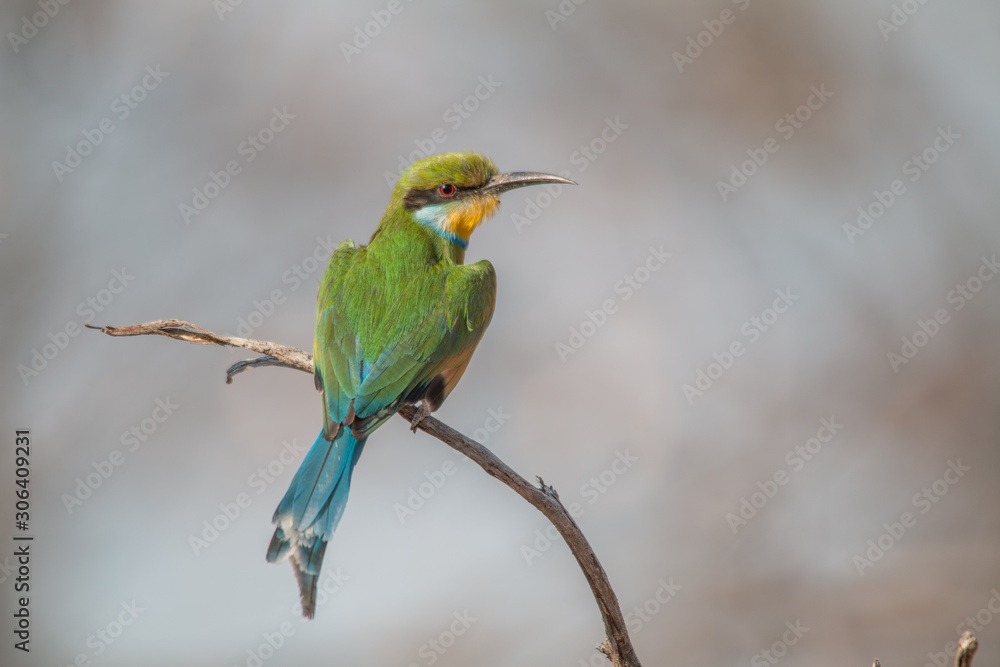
<point>379,345</point>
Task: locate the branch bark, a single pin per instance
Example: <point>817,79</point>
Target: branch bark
<point>617,646</point>
<point>967,646</point>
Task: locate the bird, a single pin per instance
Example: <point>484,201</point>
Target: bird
<point>397,322</point>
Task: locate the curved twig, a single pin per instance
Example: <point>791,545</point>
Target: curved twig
<point>617,646</point>
<point>241,366</point>
<point>967,646</point>
<point>192,333</point>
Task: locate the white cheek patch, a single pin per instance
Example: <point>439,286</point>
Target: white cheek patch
<point>432,215</point>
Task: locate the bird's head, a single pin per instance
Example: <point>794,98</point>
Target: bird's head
<point>453,193</point>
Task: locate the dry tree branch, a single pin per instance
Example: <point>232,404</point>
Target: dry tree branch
<point>617,646</point>
<point>967,646</point>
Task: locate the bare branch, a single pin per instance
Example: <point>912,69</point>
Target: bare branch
<point>546,500</point>
<point>241,366</point>
<point>617,646</point>
<point>181,330</point>
<point>967,646</point>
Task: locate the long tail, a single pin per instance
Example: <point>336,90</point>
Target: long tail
<point>311,510</point>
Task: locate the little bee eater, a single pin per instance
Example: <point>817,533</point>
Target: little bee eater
<point>397,322</point>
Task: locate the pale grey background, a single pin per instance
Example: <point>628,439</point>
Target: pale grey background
<point>655,184</point>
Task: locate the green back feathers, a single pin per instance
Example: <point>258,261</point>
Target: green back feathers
<point>393,315</point>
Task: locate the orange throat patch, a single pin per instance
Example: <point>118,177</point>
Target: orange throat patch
<point>468,215</point>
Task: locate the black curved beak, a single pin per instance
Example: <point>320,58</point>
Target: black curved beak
<point>519,179</point>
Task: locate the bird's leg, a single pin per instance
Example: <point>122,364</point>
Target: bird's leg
<point>422,412</point>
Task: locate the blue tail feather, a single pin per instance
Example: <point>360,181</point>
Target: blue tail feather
<point>311,509</point>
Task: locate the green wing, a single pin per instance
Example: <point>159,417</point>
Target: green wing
<point>390,334</point>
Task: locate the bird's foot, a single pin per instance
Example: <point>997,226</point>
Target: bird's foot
<point>418,416</point>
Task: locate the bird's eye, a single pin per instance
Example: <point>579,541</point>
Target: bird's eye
<point>447,190</point>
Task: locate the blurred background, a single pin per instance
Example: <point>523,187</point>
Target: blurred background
<point>756,346</point>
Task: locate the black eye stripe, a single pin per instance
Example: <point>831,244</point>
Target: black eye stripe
<point>415,199</point>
